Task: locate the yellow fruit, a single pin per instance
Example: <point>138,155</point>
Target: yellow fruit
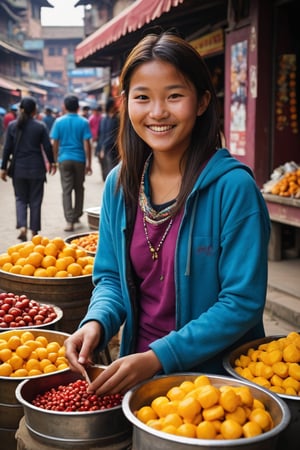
<point>41,353</point>
<point>51,271</point>
<point>155,423</point>
<point>16,362</point>
<point>88,269</point>
<point>61,263</point>
<point>157,403</point>
<point>53,347</point>
<point>230,400</point>
<point>231,429</point>
<point>208,396</point>
<point>26,249</point>
<point>215,412</point>
<point>187,430</point>
<point>251,429</point>
<point>13,342</point>
<point>35,259</point>
<point>170,429</point>
<point>262,418</point>
<point>59,242</point>
<point>37,239</point>
<point>45,241</point>
<point>42,340</point>
<point>5,354</point>
<point>239,415</point>
<point>294,371</point>
<point>281,369</point>
<point>5,370</point>
<point>40,272</point>
<point>291,353</point>
<point>23,351</point>
<point>14,257</point>
<point>39,249</point>
<point>32,364</point>
<point>206,430</point>
<point>48,260</point>
<point>69,251</point>
<point>20,373</point>
<point>49,368</point>
<point>44,363</point>
<point>7,267</point>
<point>74,269</point>
<point>4,258</point>
<point>21,261</point>
<point>34,372</point>
<point>27,269</point>
<point>187,386</point>
<point>51,249</point>
<point>61,274</point>
<point>26,336</point>
<point>176,393</point>
<point>188,408</point>
<point>146,413</point>
<point>172,419</point>
<point>16,269</point>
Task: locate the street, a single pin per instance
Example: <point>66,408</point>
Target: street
<point>53,223</point>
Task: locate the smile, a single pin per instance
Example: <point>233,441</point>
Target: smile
<point>160,128</point>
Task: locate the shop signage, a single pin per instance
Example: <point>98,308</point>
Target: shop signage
<point>210,43</point>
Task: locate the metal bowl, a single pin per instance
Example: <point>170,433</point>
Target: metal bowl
<point>50,325</point>
<point>69,239</point>
<point>146,438</point>
<point>290,436</point>
<point>72,429</point>
<point>8,384</point>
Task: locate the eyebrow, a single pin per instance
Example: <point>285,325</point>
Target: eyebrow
<point>172,86</point>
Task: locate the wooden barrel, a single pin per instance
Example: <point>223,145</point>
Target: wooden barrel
<point>71,294</point>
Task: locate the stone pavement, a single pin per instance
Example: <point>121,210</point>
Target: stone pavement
<point>282,313</point>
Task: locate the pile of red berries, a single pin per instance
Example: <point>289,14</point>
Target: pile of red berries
<point>74,397</point>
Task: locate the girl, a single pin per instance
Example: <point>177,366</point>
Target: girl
<point>184,230</point>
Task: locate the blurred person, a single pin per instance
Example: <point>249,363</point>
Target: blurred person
<point>106,149</point>
<point>71,136</point>
<point>27,140</point>
<point>85,111</point>
<point>48,118</point>
<point>94,121</point>
<point>10,115</point>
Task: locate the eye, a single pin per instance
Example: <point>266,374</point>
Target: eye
<point>140,97</point>
<point>175,95</point>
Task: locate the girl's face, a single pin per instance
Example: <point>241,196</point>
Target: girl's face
<point>163,106</point>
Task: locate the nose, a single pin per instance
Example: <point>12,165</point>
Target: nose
<point>158,110</point>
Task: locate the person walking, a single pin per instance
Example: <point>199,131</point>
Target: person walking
<point>181,264</point>
<point>94,121</point>
<point>106,149</point>
<point>48,117</point>
<point>71,136</point>
<point>27,141</point>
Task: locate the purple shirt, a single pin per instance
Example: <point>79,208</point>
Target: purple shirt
<point>157,287</point>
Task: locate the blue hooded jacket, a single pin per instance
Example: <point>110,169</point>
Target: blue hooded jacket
<point>221,261</point>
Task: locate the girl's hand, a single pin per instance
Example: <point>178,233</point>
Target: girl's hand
<point>80,345</point>
<point>3,175</point>
<point>124,373</point>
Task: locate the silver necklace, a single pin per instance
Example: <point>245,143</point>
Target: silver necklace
<point>154,251</point>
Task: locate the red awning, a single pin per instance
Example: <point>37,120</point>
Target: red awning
<point>134,17</point>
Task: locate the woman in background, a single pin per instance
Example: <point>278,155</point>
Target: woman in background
<point>28,143</point>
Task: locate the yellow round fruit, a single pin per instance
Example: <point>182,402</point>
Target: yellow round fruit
<point>5,370</point>
<point>146,413</point>
<point>40,272</point>
<point>28,269</point>
<point>48,260</point>
<point>35,259</point>
<point>74,269</point>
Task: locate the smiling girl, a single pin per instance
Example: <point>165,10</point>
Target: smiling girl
<point>181,264</point>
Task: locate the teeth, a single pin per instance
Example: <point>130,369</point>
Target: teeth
<point>161,128</point>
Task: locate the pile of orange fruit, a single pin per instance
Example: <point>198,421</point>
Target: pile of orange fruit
<point>273,365</point>
<point>24,355</point>
<point>44,257</point>
<point>288,185</point>
<point>198,409</point>
<point>89,242</point>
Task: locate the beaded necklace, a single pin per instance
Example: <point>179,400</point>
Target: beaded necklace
<point>153,216</point>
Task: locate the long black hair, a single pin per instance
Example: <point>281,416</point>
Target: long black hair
<point>171,48</point>
<point>27,110</point>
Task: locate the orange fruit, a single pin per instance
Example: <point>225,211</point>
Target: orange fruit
<point>231,429</point>
<point>35,259</point>
<point>37,239</point>
<point>40,272</point>
<point>175,393</point>
<point>187,430</point>
<point>69,251</point>
<point>13,342</point>
<point>51,271</point>
<point>74,269</point>
<point>5,258</point>
<point>48,260</point>
<point>157,403</point>
<point>206,430</point>
<point>26,336</point>
<point>5,354</point>
<point>251,429</point>
<point>87,270</point>
<point>170,429</point>
<point>16,362</point>
<point>45,241</point>
<point>262,418</point>
<point>40,249</point>
<point>188,408</point>
<point>23,351</point>
<point>14,257</point>
<point>61,274</point>
<point>7,267</point>
<point>26,249</point>
<point>5,370</point>
<point>82,260</point>
<point>59,242</point>
<point>172,419</point>
<point>53,347</point>
<point>41,353</point>
<point>51,249</point>
<point>146,413</point>
<point>20,373</point>
<point>49,368</point>
<point>42,340</point>
<point>21,261</point>
<point>16,269</point>
<point>61,263</point>
<point>34,372</point>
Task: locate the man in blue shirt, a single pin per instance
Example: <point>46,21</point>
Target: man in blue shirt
<point>71,136</point>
